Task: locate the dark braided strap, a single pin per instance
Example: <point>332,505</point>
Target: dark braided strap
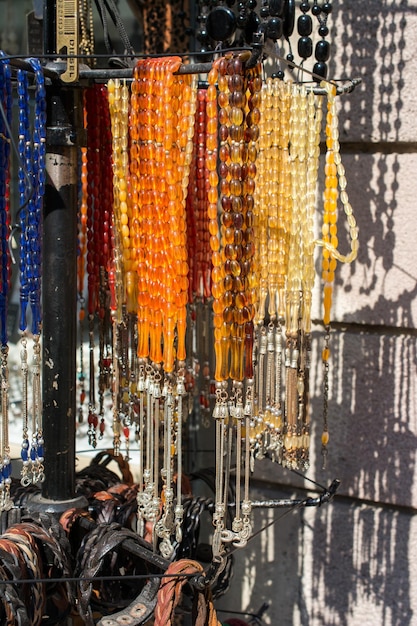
<point>139,611</point>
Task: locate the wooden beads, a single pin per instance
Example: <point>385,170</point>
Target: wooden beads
<point>233,267</point>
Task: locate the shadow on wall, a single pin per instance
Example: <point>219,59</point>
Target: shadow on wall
<point>348,563</point>
<point>361,552</point>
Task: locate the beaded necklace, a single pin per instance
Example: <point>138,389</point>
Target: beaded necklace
<point>233,279</point>
<point>32,151</point>
<point>124,260</point>
<point>201,205</point>
<point>99,246</point>
<point>305,42</point>
<point>6,102</point>
<point>286,193</point>
<point>81,258</point>
<point>162,116</point>
<point>334,178</point>
<point>203,178</point>
<point>273,219</point>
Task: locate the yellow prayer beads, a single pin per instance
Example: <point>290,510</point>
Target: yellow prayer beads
<point>334,180</point>
<point>314,120</point>
<point>118,96</point>
<point>297,139</point>
<point>287,169</point>
<point>335,176</point>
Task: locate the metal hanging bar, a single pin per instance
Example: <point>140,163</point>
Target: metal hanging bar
<point>54,70</point>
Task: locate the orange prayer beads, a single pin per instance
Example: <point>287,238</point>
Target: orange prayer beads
<point>162,126</point>
<point>334,178</point>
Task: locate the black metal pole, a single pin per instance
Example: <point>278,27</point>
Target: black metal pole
<point>60,294</point>
<point>59,288</point>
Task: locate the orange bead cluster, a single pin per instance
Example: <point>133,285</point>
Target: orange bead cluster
<point>82,227</point>
<point>335,179</point>
<point>329,227</point>
<point>161,130</point>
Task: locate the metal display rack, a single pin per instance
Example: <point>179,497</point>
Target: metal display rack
<point>65,135</point>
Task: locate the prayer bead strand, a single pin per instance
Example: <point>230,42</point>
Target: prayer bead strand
<point>32,152</point>
<point>22,90</point>
<point>278,255</point>
<point>5,152</point>
<point>25,175</point>
<point>314,121</point>
<point>297,138</point>
<point>198,198</point>
<point>188,90</point>
<point>233,221</point>
<point>81,267</point>
<point>92,253</point>
<point>314,118</point>
<point>329,241</point>
<point>279,232</point>
<point>106,250</point>
<point>250,270</point>
<point>99,244</point>
<point>162,120</point>
<point>221,299</point>
<point>195,197</point>
<point>35,208</point>
<point>262,197</point>
<point>171,147</point>
<point>5,125</point>
<point>246,313</point>
<point>334,177</point>
<point>119,109</point>
<point>232,101</point>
